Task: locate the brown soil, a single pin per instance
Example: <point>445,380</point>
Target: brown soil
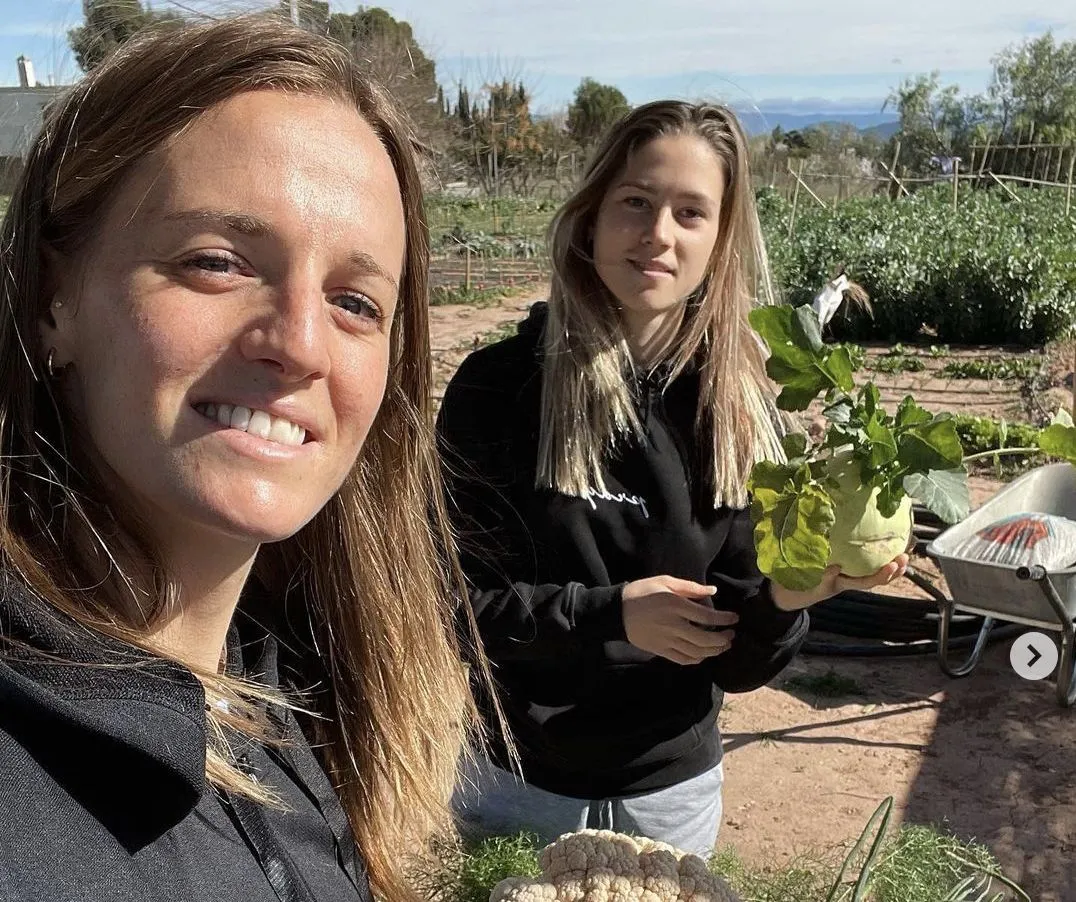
<point>992,756</point>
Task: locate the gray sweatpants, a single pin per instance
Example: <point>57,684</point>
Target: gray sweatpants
<point>493,802</point>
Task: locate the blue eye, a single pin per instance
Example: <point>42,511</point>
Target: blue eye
<point>359,305</point>
<point>216,263</point>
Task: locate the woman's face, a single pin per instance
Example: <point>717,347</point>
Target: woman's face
<point>226,331</point>
<point>658,223</point>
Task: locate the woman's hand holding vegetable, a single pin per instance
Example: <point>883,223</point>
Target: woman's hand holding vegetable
<point>834,582</point>
<point>663,617</point>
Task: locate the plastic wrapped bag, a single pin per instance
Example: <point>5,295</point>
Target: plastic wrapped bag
<point>1024,539</point>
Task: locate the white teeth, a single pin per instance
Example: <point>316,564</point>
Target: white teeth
<point>255,422</point>
<point>260,424</point>
<point>281,431</point>
<point>240,417</point>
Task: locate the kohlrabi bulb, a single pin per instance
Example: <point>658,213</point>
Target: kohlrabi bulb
<point>862,541</point>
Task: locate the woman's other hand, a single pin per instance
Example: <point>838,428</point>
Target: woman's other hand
<point>666,616</point>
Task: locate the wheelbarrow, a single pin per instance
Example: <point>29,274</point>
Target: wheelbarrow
<point>1031,596</point>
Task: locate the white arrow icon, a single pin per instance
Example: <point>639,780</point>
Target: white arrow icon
<point>1033,656</point>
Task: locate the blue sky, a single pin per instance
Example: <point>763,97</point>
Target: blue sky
<point>778,54</point>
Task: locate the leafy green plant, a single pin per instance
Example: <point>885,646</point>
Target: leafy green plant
<point>981,434</point>
<point>992,368</point>
<point>993,272</point>
<point>467,872</point>
<point>475,296</point>
<point>825,685</point>
<point>911,453</point>
<point>901,363</point>
<point>845,498</point>
<point>857,354</point>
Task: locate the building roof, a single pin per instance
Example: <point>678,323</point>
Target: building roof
<point>20,116</point>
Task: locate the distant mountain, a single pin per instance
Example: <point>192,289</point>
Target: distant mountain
<point>764,121</point>
<point>885,131</point>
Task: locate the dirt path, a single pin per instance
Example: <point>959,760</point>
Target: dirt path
<point>991,756</point>
<point>455,328</point>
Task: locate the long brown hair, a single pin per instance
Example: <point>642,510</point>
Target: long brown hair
<point>375,567</point>
<point>586,404</point>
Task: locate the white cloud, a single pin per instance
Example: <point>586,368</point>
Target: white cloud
<point>618,38</point>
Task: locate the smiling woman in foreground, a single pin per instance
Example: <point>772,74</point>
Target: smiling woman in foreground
<point>227,658</point>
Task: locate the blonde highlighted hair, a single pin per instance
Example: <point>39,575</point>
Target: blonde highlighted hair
<point>374,569</point>
<point>587,408</point>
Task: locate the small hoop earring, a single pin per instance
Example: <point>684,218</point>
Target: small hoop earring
<point>50,367</point>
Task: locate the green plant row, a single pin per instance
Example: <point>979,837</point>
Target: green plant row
<point>994,271</point>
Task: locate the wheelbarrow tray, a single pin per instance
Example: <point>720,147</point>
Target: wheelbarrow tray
<point>998,590</point>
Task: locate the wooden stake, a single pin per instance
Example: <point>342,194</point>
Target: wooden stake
<point>468,270</point>
<point>807,187</point>
<point>897,181</point>
<point>893,167</point>
<point>956,182</point>
<point>986,155</point>
<point>1009,190</point>
<point>795,200</point>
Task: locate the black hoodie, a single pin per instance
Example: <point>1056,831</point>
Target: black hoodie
<point>102,778</point>
<point>592,715</point>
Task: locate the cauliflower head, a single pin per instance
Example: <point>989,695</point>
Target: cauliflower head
<point>604,866</point>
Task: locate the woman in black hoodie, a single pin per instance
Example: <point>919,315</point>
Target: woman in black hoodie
<point>597,465</point>
<point>228,663</point>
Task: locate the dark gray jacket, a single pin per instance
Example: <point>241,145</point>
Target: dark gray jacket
<point>102,789</point>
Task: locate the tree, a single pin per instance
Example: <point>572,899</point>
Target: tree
<point>595,108</point>
<point>937,121</point>
<point>108,23</point>
<point>387,49</point>
<point>1034,90</point>
<point>499,144</point>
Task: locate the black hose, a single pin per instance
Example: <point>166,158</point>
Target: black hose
<point>822,648</point>
<point>897,625</point>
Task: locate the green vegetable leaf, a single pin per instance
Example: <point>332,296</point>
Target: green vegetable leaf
<point>870,399</point>
<point>838,366</point>
<point>799,361</point>
<point>794,444</point>
<point>840,411</point>
<point>791,533</point>
<point>1058,440</point>
<point>890,495</point>
<point>773,476</point>
<point>911,414</point>
<point>882,445</point>
<point>944,492</point>
<point>930,446</point>
<point>806,330</point>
